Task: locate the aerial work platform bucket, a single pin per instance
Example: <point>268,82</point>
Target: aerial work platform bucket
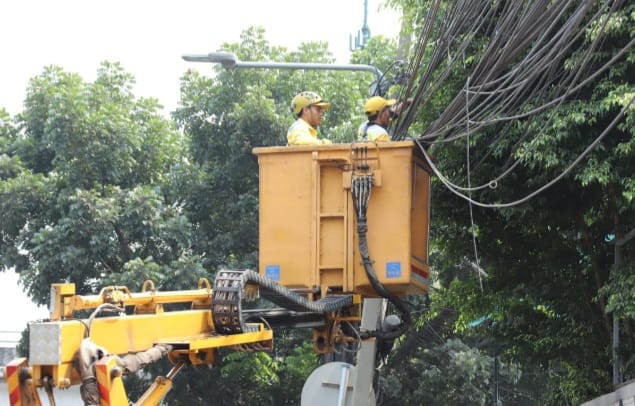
<point>307,225</point>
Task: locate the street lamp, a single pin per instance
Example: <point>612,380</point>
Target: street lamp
<point>229,60</point>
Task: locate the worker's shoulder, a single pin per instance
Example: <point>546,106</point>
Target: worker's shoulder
<point>299,125</point>
<point>376,129</point>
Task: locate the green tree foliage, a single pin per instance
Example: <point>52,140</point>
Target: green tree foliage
<point>97,188</point>
<point>226,116</point>
<point>85,187</point>
<point>450,373</point>
<point>549,261</point>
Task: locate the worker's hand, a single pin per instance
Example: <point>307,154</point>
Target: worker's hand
<point>399,108</point>
<point>405,103</point>
<point>88,354</point>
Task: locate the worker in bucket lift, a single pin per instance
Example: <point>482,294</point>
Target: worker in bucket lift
<point>380,113</point>
<point>308,107</point>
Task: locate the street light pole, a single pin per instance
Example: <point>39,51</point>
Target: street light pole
<point>229,60</point>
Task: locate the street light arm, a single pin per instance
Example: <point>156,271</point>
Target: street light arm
<point>318,66</point>
<point>229,60</point>
<point>196,58</point>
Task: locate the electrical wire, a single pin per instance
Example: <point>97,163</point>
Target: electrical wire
<point>469,182</point>
<point>519,75</point>
<point>589,148</point>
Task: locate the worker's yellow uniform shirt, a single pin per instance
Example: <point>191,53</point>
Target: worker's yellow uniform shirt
<point>302,133</point>
<point>373,132</point>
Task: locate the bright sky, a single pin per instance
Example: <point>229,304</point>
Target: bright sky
<point>17,308</point>
<point>149,37</point>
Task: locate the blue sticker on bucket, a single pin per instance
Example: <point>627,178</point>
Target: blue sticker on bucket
<point>393,270</point>
<point>273,272</point>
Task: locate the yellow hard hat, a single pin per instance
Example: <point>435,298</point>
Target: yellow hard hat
<point>303,99</point>
<point>376,104</point>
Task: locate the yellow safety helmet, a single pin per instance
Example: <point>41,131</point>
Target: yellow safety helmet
<point>303,99</point>
<point>376,104</point>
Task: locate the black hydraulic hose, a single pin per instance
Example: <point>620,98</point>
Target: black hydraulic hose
<point>380,288</point>
<point>360,191</point>
<point>291,300</point>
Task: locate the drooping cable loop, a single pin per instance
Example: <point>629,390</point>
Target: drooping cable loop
<point>525,59</point>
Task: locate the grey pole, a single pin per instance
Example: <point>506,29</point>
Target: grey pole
<point>372,316</point>
<point>341,396</point>
<point>617,362</point>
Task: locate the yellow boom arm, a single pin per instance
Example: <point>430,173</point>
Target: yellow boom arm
<point>189,334</point>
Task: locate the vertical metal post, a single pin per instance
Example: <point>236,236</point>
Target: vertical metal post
<point>495,374</point>
<point>363,36</point>
<point>616,343</point>
<point>620,240</point>
<point>372,316</point>
<point>341,396</point>
<point>617,363</point>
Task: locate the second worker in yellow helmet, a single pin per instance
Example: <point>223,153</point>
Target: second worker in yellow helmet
<point>308,107</point>
<point>380,113</point>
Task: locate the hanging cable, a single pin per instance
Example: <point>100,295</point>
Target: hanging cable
<point>469,181</point>
<point>612,125</point>
<point>361,187</point>
<point>534,58</point>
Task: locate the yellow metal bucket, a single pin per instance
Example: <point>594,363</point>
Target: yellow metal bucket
<point>307,230</point>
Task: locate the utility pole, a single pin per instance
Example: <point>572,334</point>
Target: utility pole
<point>403,45</point>
<point>363,36</point>
<point>619,257</point>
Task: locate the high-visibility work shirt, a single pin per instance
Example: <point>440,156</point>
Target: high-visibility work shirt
<point>373,132</point>
<point>302,133</point>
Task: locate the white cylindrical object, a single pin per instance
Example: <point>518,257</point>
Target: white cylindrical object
<point>341,397</point>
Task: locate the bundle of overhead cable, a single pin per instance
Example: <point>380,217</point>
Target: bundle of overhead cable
<point>509,65</point>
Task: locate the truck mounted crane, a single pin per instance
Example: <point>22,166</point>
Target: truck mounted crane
<point>343,229</point>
